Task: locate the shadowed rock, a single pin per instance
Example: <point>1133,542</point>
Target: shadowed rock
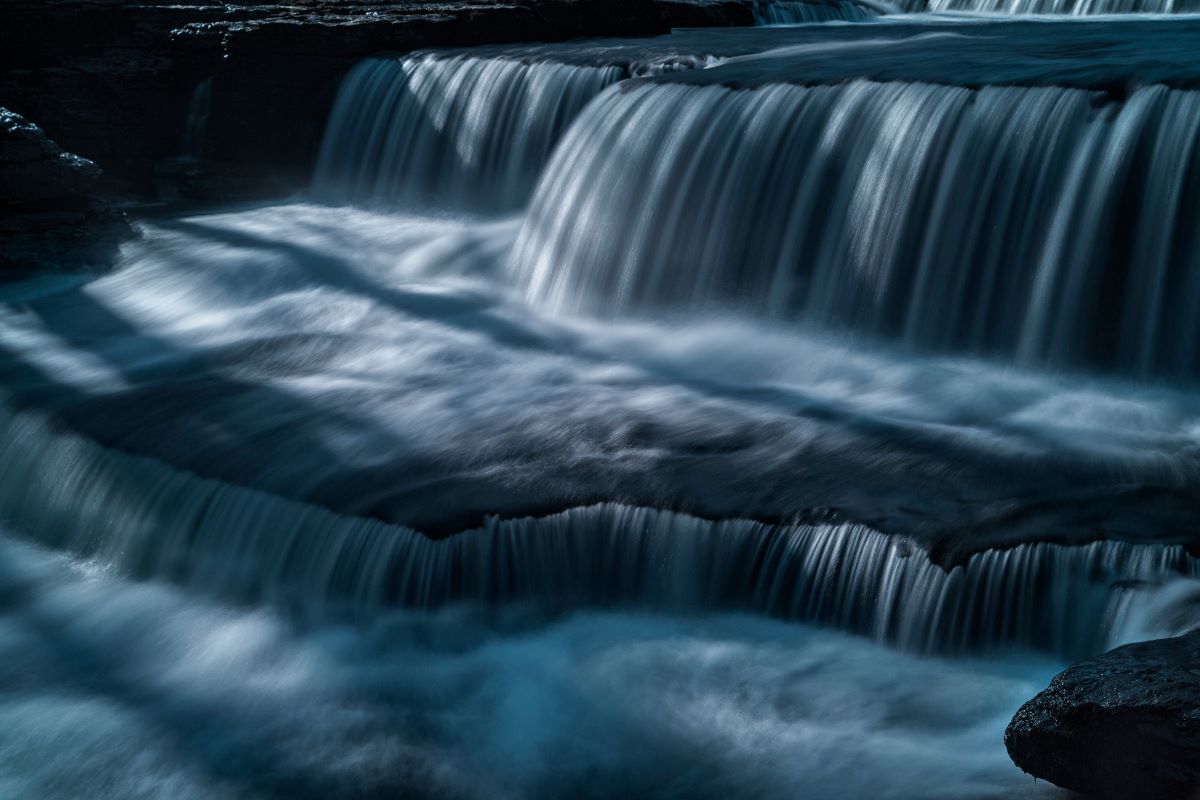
<point>113,81</point>
<point>54,210</point>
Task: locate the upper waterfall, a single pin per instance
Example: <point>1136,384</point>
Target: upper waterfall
<point>1073,7</point>
<point>1041,223</point>
<point>453,131</point>
<point>796,12</point>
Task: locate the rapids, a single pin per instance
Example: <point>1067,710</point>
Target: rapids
<point>739,413</point>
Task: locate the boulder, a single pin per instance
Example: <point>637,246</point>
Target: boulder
<point>1123,725</point>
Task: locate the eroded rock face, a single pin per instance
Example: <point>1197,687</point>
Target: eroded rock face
<point>53,212</point>
<point>1123,725</point>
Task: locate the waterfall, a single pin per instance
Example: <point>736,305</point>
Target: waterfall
<point>1139,615</point>
<point>1048,225</point>
<point>195,129</point>
<point>450,131</point>
<point>798,12</point>
<point>151,521</point>
<point>1073,7</point>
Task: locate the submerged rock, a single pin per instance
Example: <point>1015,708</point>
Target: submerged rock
<point>1125,724</point>
<point>55,213</point>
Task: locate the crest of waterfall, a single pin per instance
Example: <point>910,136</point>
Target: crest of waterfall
<point>1072,7</point>
<point>799,12</point>
<point>1043,224</point>
<point>453,131</point>
<point>150,521</point>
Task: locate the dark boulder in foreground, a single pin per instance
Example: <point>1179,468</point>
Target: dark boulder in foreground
<point>1125,724</point>
<point>53,212</point>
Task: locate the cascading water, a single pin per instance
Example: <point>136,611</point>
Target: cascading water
<point>454,131</point>
<point>251,547</point>
<point>799,12</point>
<point>911,211</point>
<point>1073,7</point>
<point>195,131</point>
<point>313,502</point>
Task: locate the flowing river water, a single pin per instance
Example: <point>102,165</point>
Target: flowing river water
<point>755,413</point>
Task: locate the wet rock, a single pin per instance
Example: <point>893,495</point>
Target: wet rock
<point>53,209</point>
<point>1123,725</point>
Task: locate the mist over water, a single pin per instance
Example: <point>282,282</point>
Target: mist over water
<point>170,697</point>
<point>742,414</point>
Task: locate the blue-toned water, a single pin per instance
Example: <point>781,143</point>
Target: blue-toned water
<point>740,413</point>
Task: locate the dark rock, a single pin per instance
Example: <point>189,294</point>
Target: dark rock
<point>1123,725</point>
<point>53,210</point>
<point>35,168</point>
<point>113,80</point>
<point>708,13</point>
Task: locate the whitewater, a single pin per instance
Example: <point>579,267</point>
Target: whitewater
<point>752,413</point>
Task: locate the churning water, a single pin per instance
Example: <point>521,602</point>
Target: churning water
<point>740,414</point>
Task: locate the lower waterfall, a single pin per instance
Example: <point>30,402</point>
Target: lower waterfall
<point>910,211</point>
<point>252,547</point>
<point>126,687</point>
